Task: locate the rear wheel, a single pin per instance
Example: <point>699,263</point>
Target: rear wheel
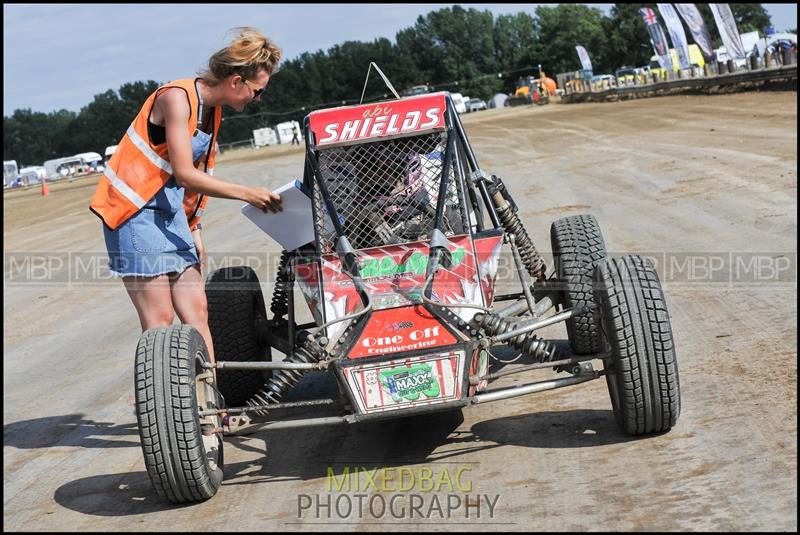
<point>236,313</point>
<point>577,247</point>
<point>182,451</point>
<point>642,371</point>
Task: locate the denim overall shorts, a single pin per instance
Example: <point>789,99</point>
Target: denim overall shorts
<point>157,240</point>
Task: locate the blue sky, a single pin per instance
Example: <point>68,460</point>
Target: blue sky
<point>60,56</point>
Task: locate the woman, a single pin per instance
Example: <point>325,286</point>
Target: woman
<point>155,187</point>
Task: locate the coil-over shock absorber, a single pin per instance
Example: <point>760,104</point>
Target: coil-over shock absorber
<point>283,380</point>
<point>283,285</point>
<point>507,212</point>
<point>527,343</point>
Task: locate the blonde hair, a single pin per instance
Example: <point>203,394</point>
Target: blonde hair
<point>247,54</point>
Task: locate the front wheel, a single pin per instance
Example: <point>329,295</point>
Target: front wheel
<point>642,371</point>
<point>182,450</point>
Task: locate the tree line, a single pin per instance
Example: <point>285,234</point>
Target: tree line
<point>452,49</point>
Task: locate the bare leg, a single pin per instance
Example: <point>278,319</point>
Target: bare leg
<point>152,299</point>
<point>189,300</point>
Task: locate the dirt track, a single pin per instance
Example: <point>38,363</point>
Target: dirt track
<point>696,182</point>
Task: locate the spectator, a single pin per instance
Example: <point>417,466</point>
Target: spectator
<point>153,192</point>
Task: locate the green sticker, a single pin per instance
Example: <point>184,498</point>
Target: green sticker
<point>409,382</point>
<point>416,264</point>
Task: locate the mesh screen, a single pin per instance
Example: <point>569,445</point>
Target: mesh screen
<point>385,192</point>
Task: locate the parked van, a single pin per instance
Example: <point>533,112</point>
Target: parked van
<point>475,104</point>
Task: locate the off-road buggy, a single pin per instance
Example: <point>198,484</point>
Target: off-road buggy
<point>401,285</point>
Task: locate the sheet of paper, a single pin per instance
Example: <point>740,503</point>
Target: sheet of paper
<point>292,227</point>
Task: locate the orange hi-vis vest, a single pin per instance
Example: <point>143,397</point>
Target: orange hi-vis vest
<point>138,169</point>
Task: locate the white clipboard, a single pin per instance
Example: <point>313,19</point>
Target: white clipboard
<point>294,226</point>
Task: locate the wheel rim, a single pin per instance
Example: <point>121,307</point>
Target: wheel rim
<point>207,399</point>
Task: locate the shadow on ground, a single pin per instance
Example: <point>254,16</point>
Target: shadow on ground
<point>68,430</point>
<point>305,454</point>
<point>315,453</point>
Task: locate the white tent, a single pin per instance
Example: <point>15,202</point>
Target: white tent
<point>498,101</point>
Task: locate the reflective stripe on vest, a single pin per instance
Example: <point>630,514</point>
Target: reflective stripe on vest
<point>149,153</point>
<point>123,188</point>
<point>138,169</point>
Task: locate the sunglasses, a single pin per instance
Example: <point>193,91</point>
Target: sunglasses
<point>256,90</point>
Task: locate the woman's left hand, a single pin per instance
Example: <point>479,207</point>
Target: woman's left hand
<point>201,250</point>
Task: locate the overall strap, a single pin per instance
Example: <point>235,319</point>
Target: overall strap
<point>199,107</point>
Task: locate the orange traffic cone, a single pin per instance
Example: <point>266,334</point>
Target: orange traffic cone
<point>45,190</point>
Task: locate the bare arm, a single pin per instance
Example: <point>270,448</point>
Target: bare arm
<point>175,110</point>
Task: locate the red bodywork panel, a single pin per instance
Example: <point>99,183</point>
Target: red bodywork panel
<point>370,122</point>
<point>399,330</point>
<point>394,276</point>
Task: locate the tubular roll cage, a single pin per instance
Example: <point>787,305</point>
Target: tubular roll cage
<point>536,298</point>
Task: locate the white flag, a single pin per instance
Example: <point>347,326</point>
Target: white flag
<point>586,63</point>
<point>694,20</point>
<point>726,25</point>
<point>676,33</point>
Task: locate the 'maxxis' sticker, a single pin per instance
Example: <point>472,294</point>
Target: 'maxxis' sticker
<point>407,382</point>
<point>410,383</point>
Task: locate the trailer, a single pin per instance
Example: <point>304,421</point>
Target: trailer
<point>10,172</point>
<point>34,174</point>
<point>264,137</point>
<point>68,166</point>
<point>285,131</point>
